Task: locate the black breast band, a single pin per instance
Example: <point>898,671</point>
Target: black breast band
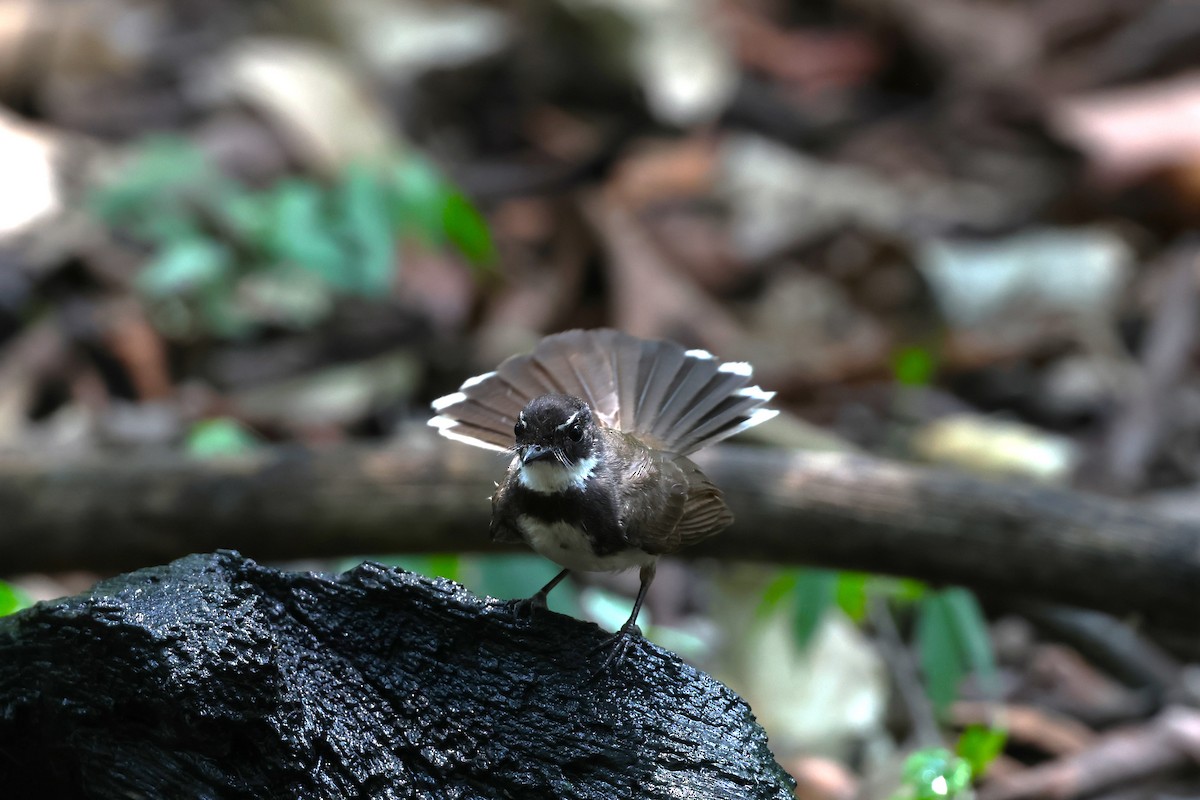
<point>592,511</point>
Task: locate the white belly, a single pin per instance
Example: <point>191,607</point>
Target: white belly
<point>564,544</point>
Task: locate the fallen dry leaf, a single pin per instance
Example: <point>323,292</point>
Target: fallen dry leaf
<point>139,346</point>
<point>1130,132</point>
<point>312,95</point>
<point>813,60</point>
<point>662,171</point>
<point>820,778</point>
<point>650,297</point>
<point>27,159</point>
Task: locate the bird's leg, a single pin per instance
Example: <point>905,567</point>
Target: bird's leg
<point>524,608</point>
<point>617,644</point>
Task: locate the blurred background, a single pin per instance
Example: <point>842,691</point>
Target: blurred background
<point>956,232</point>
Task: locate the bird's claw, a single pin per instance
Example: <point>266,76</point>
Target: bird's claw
<point>525,608</point>
<point>616,647</point>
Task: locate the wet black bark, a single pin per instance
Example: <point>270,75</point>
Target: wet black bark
<point>216,677</point>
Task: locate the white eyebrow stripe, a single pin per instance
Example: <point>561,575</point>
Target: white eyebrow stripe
<point>570,419</point>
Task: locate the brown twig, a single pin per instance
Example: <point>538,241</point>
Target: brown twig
<point>1049,732</point>
<point>1140,427</point>
<point>903,668</point>
<point>1171,742</point>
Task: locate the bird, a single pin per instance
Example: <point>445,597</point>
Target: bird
<point>600,424</point>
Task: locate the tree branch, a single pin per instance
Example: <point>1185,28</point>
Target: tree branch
<point>829,509</point>
<point>216,677</point>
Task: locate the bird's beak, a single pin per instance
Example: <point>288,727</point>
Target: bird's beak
<point>535,452</point>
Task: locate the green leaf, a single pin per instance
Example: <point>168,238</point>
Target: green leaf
<point>935,773</point>
<point>167,226</point>
<point>937,644</point>
<point>214,237</point>
<point>903,591</point>
<point>445,565</point>
<point>851,594</point>
<point>435,565</point>
<point>185,266</point>
<point>780,587</point>
<point>914,366</point>
<point>815,592</point>
<point>222,316</point>
<point>979,746</point>
<point>418,196</point>
<point>907,590</point>
<point>161,166</point>
<point>466,229</point>
<point>952,637</point>
<point>251,218</point>
<point>971,631</point>
<point>368,229</point>
<point>12,599</point>
<point>302,233</point>
<point>219,437</point>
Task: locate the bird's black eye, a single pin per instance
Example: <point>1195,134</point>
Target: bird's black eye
<point>519,428</point>
<point>576,433</point>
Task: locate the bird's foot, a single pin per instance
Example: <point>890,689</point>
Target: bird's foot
<point>524,609</point>
<point>616,647</point>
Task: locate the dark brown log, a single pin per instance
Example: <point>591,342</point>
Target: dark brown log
<point>216,677</point>
<point>1006,539</point>
<point>830,509</point>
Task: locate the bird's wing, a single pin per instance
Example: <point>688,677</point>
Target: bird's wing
<point>665,501</point>
<point>704,511</point>
<point>502,528</point>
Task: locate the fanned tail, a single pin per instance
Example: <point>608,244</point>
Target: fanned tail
<point>677,400</point>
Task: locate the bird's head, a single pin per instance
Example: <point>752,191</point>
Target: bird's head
<point>556,442</point>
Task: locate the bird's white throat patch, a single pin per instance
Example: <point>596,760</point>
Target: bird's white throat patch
<point>551,477</point>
